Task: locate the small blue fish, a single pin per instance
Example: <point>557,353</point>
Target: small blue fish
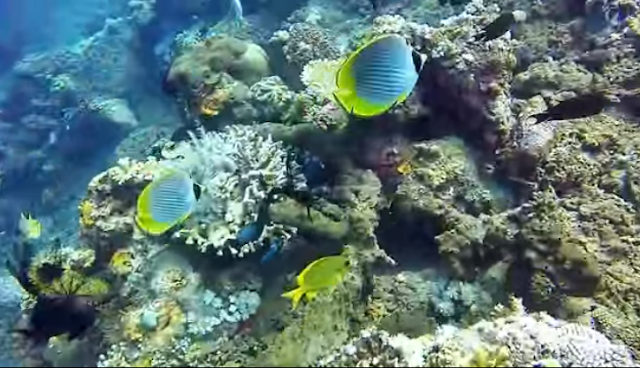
<point>273,250</point>
<point>249,233</point>
<point>252,232</point>
<point>314,170</point>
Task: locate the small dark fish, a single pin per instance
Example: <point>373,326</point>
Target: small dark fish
<point>249,233</point>
<point>314,170</point>
<point>575,108</point>
<point>500,25</point>
<point>273,250</point>
<point>252,232</point>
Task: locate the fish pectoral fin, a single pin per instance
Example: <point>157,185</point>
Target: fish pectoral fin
<point>295,295</point>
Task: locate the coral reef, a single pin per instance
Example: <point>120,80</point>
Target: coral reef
<point>446,205</point>
<point>214,75</point>
<point>519,339</point>
<point>236,168</point>
<point>414,303</point>
<point>304,42</point>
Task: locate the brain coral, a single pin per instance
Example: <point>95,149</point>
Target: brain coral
<point>203,64</point>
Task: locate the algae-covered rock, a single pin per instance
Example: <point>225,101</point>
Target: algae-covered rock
<point>549,77</point>
<point>446,194</point>
<point>329,221</point>
<point>325,324</point>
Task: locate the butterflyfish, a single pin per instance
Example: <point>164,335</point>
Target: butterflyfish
<point>166,202</point>
<point>377,76</point>
<point>29,227</point>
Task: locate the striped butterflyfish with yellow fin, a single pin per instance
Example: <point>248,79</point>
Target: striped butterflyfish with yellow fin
<point>379,75</point>
<point>166,202</point>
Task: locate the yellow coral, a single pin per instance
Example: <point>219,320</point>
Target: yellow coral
<point>70,282</point>
<point>49,266</point>
<point>86,208</point>
<point>489,357</point>
<point>122,262</point>
<point>73,282</point>
<point>376,310</point>
<point>320,76</point>
<point>143,362</point>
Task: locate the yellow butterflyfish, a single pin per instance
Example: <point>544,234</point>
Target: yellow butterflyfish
<point>377,76</point>
<point>166,202</point>
<point>29,227</point>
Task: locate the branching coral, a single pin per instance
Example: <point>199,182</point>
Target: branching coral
<point>236,168</point>
<point>414,303</point>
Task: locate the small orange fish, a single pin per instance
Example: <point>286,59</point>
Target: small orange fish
<point>405,168</point>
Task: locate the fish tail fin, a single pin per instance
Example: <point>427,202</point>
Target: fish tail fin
<point>295,295</point>
<point>540,118</point>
